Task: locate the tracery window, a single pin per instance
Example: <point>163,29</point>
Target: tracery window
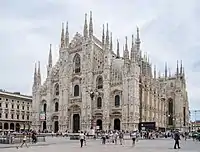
<point>77,63</point>
<point>76,90</point>
<point>117,101</point>
<point>171,112</point>
<point>56,89</point>
<point>99,102</point>
<point>99,82</point>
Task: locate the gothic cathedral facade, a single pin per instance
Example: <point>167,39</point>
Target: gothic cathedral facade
<point>92,86</point>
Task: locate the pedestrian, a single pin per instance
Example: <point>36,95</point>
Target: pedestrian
<point>133,136</point>
<point>23,142</point>
<point>82,137</point>
<point>103,138</point>
<point>176,139</point>
<point>121,136</point>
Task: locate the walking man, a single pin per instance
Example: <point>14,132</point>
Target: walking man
<point>176,139</point>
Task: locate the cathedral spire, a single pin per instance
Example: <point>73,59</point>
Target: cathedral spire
<point>62,43</point>
<point>118,55</point>
<point>50,58</point>
<point>169,72</point>
<point>39,75</point>
<point>137,40</point>
<point>166,70</point>
<point>67,35</point>
<point>181,68</point>
<point>177,68</point>
<point>111,44</point>
<point>126,52</point>
<point>90,26</point>
<point>154,74</point>
<point>35,74</point>
<point>107,36</point>
<point>132,49</point>
<point>103,36</point>
<point>85,31</point>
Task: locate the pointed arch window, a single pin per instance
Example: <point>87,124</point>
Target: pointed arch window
<point>56,107</point>
<point>99,103</point>
<point>77,63</point>
<point>99,82</point>
<point>117,101</point>
<point>56,89</point>
<point>171,112</point>
<point>76,90</point>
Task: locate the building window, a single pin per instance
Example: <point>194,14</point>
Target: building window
<point>6,99</point>
<point>0,115</point>
<point>6,115</point>
<point>17,116</point>
<point>77,63</point>
<point>23,117</point>
<point>99,102</point>
<point>12,106</point>
<point>17,101</point>
<point>56,106</point>
<point>28,117</point>
<point>76,90</point>
<point>12,116</point>
<point>6,105</point>
<point>22,107</point>
<point>0,98</point>
<point>17,106</point>
<point>56,89</point>
<point>27,107</point>
<point>0,104</point>
<point>99,82</point>
<point>117,100</point>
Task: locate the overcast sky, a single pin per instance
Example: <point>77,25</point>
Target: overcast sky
<point>169,32</point>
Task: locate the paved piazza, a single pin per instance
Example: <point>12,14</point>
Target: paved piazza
<point>63,145</point>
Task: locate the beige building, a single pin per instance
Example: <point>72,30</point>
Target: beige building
<point>15,111</point>
<point>164,99</point>
<point>91,85</point>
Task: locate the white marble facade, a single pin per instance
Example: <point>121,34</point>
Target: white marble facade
<point>90,85</point>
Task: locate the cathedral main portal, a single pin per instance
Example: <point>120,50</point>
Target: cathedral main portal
<point>76,123</point>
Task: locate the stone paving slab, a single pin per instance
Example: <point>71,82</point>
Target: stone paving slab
<point>96,146</point>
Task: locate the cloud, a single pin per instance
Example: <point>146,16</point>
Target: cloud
<point>169,32</point>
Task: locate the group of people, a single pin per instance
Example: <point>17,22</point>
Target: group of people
<point>111,137</point>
